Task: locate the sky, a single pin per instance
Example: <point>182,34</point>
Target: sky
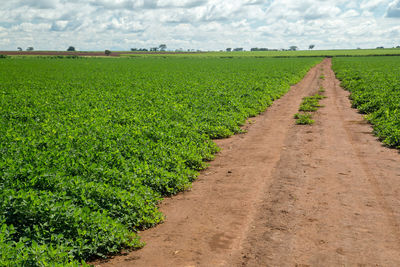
<point>198,24</point>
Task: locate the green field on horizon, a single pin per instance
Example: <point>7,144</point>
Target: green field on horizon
<point>299,53</point>
<point>223,54</point>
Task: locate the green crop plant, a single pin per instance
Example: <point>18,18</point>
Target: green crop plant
<point>303,118</point>
<point>311,103</point>
<point>374,83</point>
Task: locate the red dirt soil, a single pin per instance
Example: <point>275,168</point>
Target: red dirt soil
<point>287,195</point>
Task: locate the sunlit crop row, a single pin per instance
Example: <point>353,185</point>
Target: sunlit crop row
<point>374,83</point>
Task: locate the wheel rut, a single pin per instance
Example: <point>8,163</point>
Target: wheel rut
<point>286,195</point>
<point>342,209</point>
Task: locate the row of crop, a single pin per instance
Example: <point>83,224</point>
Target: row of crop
<point>374,83</point>
<point>89,147</point>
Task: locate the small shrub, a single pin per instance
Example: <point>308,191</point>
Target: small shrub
<point>303,119</point>
<point>311,103</point>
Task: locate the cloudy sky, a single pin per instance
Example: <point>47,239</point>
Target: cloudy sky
<point>198,24</point>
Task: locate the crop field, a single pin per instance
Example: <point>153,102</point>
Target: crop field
<point>374,83</point>
<point>88,147</point>
<point>261,54</point>
<point>221,54</point>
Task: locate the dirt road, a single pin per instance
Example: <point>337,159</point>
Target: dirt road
<point>287,195</point>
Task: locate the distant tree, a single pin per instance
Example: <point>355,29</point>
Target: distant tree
<point>311,46</point>
<point>71,48</point>
<point>154,49</point>
<point>19,49</point>
<point>259,49</point>
<point>229,49</point>
<point>29,48</point>
<point>162,47</point>
<point>380,47</point>
<point>398,46</point>
<point>293,48</point>
<point>107,52</point>
<point>134,49</point>
<point>239,49</point>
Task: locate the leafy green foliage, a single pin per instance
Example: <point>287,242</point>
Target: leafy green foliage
<point>303,118</point>
<point>374,83</point>
<point>88,147</point>
<point>311,103</point>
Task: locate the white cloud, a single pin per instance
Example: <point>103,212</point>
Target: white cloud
<point>350,13</point>
<point>372,4</point>
<point>146,4</point>
<point>41,4</point>
<point>393,10</point>
<point>197,24</point>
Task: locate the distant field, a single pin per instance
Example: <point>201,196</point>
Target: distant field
<point>302,53</point>
<point>86,53</point>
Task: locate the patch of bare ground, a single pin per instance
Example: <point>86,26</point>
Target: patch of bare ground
<point>334,199</point>
<point>287,195</point>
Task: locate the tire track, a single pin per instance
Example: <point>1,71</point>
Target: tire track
<point>326,206</point>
